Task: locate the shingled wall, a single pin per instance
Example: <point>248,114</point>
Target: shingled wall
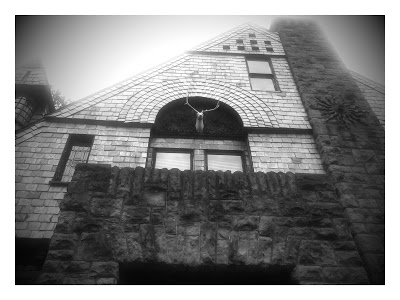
<point>279,221</point>
<point>354,153</point>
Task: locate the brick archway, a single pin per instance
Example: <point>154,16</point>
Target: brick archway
<point>144,106</point>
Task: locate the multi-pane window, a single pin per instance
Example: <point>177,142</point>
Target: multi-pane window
<point>261,75</point>
<point>224,161</point>
<point>76,151</point>
<point>173,158</point>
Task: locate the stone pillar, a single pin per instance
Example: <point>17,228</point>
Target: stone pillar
<point>348,135</point>
<point>86,240</point>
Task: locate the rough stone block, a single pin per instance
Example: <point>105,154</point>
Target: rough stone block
<point>78,267</point>
<point>226,207</point>
<point>104,269</point>
<point>259,251</point>
<point>212,184</point>
<point>307,274</point>
<point>187,185</point>
<point>262,206</point>
<point>76,201</point>
<point>94,247</point>
<point>355,275</point>
<point>348,258</point>
<point>134,246</point>
<point>363,215</point>
<point>106,281</point>
<point>316,253</point>
<point>149,250</point>
<point>273,183</point>
<point>278,253</point>
<point>266,226</point>
<point>49,278</point>
<point>245,223</point>
<point>60,254</point>
<point>153,198</point>
<point>191,251</point>
<point>200,185</point>
<point>208,242</point>
<point>71,222</point>
<point>84,280</point>
<point>136,215</point>
<point>369,243</point>
<point>105,207</point>
<point>292,250</point>
<point>63,241</point>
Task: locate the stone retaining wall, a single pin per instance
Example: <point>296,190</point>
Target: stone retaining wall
<point>195,218</point>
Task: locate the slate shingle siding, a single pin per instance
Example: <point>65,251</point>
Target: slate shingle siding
<point>37,158</point>
<point>285,153</point>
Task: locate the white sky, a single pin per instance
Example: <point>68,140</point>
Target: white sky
<point>84,54</point>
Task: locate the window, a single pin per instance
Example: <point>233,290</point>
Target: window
<point>173,158</point>
<point>224,161</point>
<point>76,151</point>
<point>252,35</point>
<point>175,142</point>
<point>226,47</point>
<point>261,75</point>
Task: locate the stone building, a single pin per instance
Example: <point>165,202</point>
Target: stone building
<point>277,178</point>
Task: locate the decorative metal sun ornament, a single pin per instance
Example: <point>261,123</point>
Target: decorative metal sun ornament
<point>338,110</point>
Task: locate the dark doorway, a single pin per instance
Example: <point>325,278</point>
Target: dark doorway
<point>30,255</point>
<point>160,274</point>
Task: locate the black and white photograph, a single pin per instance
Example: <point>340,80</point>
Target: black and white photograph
<point>199,149</point>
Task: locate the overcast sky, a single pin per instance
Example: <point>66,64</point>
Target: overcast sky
<point>84,54</point>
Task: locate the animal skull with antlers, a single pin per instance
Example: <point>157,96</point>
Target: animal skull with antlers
<point>199,115</point>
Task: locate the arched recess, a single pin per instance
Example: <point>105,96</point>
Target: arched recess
<point>178,119</point>
<point>144,106</point>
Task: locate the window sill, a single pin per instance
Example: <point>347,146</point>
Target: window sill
<point>58,183</point>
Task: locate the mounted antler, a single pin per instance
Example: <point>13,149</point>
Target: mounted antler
<point>216,106</point>
<point>199,115</point>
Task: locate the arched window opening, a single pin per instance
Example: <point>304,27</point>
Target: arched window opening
<point>177,143</point>
<point>178,119</point>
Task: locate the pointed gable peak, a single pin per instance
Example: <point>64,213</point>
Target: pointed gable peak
<point>246,38</point>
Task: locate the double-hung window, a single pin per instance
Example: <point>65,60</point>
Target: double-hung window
<point>224,160</point>
<point>181,159</point>
<point>76,151</point>
<point>261,74</point>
